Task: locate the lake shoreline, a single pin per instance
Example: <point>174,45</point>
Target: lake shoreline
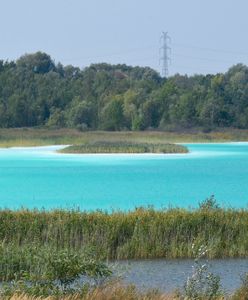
<point>45,136</point>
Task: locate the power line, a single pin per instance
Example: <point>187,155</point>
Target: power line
<point>109,54</point>
<point>210,49</point>
<point>203,58</point>
<point>164,54</point>
<point>195,69</point>
<point>152,47</point>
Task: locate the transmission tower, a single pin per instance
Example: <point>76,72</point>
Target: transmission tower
<point>164,53</point>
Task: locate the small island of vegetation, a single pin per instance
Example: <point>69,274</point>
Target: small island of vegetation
<point>121,147</point>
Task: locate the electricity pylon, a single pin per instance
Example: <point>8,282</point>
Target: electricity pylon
<point>164,53</point>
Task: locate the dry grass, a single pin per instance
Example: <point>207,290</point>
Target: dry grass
<point>121,293</point>
<point>111,292</point>
<point>43,136</point>
<point>26,297</point>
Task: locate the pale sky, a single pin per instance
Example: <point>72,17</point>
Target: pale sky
<point>207,36</point>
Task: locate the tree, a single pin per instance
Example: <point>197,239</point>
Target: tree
<point>112,117</point>
<point>38,62</point>
<point>34,92</point>
<point>81,113</point>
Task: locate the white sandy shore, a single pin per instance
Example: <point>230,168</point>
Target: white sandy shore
<point>52,150</point>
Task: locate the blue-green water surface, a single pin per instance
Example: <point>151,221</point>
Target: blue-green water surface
<point>41,178</point>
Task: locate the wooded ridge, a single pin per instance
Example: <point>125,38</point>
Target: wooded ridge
<point>35,91</point>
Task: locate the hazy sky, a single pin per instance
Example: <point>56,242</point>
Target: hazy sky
<point>208,36</point>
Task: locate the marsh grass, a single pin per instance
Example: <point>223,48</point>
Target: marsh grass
<point>124,147</point>
<point>44,136</point>
<point>117,291</point>
<point>143,233</point>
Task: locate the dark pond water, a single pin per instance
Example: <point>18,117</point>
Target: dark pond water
<point>168,275</point>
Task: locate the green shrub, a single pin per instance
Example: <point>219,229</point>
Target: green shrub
<point>47,271</point>
<point>202,285</point>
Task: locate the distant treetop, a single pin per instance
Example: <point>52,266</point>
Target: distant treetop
<point>35,91</point>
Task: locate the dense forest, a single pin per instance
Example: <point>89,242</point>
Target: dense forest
<point>35,91</point>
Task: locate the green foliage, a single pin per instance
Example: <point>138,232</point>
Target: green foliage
<point>34,91</point>
<point>45,271</point>
<point>112,114</point>
<point>38,62</point>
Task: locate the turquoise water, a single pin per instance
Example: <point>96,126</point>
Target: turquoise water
<point>41,178</point>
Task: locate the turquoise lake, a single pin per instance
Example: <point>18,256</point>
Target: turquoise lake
<point>41,178</point>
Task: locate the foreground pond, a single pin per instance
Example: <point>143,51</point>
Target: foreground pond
<point>168,275</point>
<point>41,178</point>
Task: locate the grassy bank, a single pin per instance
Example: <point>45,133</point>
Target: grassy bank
<point>143,233</point>
<point>116,292</point>
<point>39,136</point>
<point>121,292</point>
<point>122,147</point>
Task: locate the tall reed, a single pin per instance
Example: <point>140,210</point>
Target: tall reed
<point>143,233</point>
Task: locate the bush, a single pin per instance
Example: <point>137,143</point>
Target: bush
<point>202,284</point>
<point>52,272</point>
<point>209,204</point>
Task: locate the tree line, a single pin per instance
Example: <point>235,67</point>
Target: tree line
<point>35,91</point>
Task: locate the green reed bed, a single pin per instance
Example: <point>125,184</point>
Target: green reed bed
<point>143,233</point>
<point>122,147</point>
